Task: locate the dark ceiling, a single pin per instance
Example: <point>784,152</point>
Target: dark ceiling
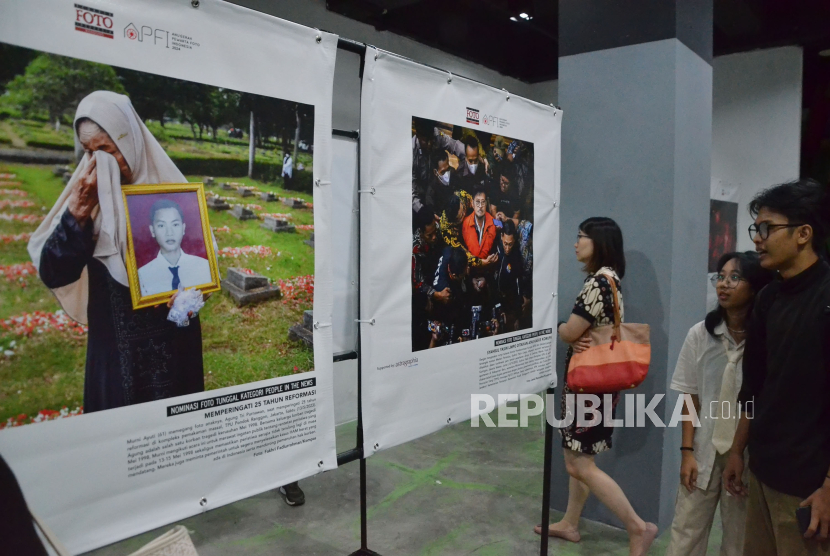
<point>482,30</point>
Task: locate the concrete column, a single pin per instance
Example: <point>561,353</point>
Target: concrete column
<point>635,84</point>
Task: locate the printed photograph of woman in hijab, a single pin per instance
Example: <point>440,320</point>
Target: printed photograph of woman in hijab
<point>73,133</point>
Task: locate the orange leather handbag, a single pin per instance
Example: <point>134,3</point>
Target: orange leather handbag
<point>618,358</point>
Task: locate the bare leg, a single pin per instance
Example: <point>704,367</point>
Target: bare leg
<point>582,467</point>
<point>568,527</point>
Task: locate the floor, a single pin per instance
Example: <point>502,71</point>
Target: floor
<point>460,491</point>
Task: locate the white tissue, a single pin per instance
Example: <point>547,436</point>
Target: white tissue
<point>187,301</point>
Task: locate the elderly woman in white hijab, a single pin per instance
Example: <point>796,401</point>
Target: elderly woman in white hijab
<point>133,356</point>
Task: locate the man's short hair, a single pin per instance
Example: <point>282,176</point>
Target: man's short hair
<point>439,155</point>
<point>457,262</point>
<point>470,142</point>
<point>508,228</point>
<point>423,217</point>
<point>452,207</point>
<point>480,191</point>
<point>803,202</point>
<point>164,204</point>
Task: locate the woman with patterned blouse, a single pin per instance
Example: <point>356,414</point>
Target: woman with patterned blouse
<point>599,246</point>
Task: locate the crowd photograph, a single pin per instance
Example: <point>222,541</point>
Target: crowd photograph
<point>472,234</point>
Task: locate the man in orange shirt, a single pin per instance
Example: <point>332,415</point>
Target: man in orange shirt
<point>478,229</point>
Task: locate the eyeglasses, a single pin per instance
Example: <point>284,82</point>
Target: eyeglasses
<point>580,236</point>
<point>730,281</point>
<point>480,202</point>
<point>763,229</point>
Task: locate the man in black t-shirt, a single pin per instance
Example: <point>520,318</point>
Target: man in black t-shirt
<point>785,396</point>
<point>505,203</point>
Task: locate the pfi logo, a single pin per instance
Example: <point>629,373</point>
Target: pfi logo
<point>472,115</point>
<point>92,21</point>
<point>158,36</point>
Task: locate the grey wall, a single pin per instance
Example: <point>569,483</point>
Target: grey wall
<point>635,146</point>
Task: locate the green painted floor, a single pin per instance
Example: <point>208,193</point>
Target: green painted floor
<point>460,491</point>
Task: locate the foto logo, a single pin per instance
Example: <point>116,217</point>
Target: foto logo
<point>472,115</point>
<point>93,21</point>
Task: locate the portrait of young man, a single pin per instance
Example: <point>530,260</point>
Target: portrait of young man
<point>172,266</point>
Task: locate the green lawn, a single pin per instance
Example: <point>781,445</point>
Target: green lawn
<point>240,345</point>
<point>175,138</point>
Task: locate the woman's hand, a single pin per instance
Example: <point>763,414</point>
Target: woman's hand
<point>84,196</point>
<point>582,344</point>
<point>688,471</point>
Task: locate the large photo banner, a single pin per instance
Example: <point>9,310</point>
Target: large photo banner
<point>457,298</point>
<point>165,274</point>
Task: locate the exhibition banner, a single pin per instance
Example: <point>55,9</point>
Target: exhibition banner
<point>457,298</point>
<point>165,269</point>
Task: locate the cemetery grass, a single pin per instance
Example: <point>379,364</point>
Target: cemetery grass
<point>240,345</point>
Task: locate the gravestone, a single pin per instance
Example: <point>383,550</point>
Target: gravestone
<point>217,204</point>
<point>246,288</point>
<point>208,181</point>
<point>267,196</point>
<point>245,192</point>
<point>310,241</point>
<point>61,170</point>
<point>227,186</point>
<point>277,225</point>
<point>294,203</point>
<point>242,213</point>
<point>303,331</point>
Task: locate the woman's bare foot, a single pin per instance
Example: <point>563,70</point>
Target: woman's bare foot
<point>561,530</point>
<point>640,541</point>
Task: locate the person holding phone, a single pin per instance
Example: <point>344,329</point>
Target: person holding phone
<point>785,394</point>
<point>708,374</point>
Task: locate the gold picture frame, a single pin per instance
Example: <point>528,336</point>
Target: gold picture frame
<point>140,299</point>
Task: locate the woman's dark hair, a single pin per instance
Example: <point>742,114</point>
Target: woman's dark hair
<point>608,244</point>
<point>803,202</point>
<point>751,271</point>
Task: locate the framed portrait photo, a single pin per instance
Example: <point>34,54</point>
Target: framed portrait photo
<point>169,242</point>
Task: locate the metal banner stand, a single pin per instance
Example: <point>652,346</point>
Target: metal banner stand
<point>357,452</point>
<point>547,472</point>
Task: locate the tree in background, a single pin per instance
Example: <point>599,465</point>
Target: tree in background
<point>56,84</point>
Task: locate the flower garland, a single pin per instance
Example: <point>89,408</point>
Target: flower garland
<point>305,226</point>
<point>247,251</point>
<point>14,193</point>
<point>5,203</point>
<point>7,176</point>
<point>39,322</point>
<point>222,229</point>
<point>253,207</point>
<point>14,238</point>
<point>42,415</point>
<point>277,215</point>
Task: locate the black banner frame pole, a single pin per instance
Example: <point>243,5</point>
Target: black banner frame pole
<point>357,452</point>
<point>546,479</point>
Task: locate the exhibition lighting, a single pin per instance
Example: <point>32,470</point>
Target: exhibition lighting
<point>823,53</point>
<point>513,19</point>
<point>525,16</point>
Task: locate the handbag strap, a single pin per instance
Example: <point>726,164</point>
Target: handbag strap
<point>617,319</point>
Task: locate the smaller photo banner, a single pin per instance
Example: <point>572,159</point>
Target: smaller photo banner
<point>457,298</point>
